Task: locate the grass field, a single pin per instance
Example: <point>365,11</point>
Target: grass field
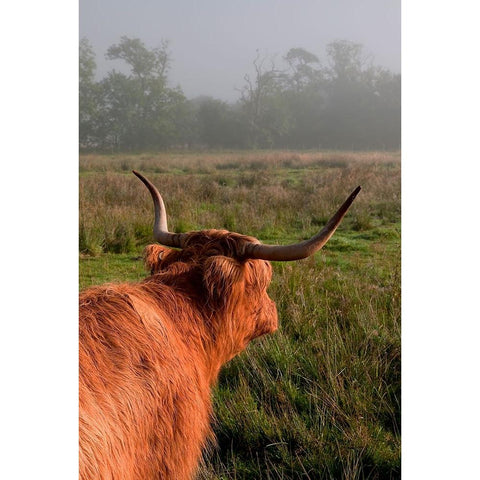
<point>320,398</point>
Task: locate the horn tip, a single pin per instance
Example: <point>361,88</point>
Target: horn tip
<point>355,192</point>
<point>140,176</point>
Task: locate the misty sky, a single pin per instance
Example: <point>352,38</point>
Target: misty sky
<point>213,42</point>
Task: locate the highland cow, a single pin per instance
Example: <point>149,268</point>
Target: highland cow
<point>151,351</point>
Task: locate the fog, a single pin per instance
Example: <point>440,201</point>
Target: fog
<point>212,43</point>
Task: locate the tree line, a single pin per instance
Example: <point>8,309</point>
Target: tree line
<point>345,103</point>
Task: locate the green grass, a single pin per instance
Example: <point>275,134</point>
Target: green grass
<point>95,270</point>
<point>321,397</point>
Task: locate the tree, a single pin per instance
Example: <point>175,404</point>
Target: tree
<point>140,110</point>
<point>305,98</point>
<point>263,103</point>
<point>144,63</point>
<point>355,116</point>
<point>301,64</point>
<point>88,94</point>
<point>118,126</point>
<point>346,60</point>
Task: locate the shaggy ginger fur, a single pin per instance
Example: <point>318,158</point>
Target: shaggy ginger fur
<point>150,352</point>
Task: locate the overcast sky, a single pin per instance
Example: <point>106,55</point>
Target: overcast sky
<point>213,42</point>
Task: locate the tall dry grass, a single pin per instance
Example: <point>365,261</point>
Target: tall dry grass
<point>269,202</point>
<point>209,162</point>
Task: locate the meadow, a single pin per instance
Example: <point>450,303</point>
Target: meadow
<point>320,398</point>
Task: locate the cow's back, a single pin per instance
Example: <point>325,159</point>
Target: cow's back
<point>144,399</point>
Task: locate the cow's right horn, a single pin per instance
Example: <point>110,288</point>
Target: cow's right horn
<point>304,249</point>
<point>160,229</point>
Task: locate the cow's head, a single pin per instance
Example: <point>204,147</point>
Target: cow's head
<point>226,273</point>
<point>230,290</point>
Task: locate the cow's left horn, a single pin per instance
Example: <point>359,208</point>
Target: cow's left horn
<point>160,229</point>
<point>303,249</point>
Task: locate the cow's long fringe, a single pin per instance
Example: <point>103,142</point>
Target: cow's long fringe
<point>150,352</point>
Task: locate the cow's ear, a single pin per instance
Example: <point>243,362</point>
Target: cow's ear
<point>153,255</point>
<point>223,279</point>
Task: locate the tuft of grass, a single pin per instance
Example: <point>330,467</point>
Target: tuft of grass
<point>110,268</point>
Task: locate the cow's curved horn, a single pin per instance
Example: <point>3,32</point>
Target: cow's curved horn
<point>303,249</point>
<point>160,229</point>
